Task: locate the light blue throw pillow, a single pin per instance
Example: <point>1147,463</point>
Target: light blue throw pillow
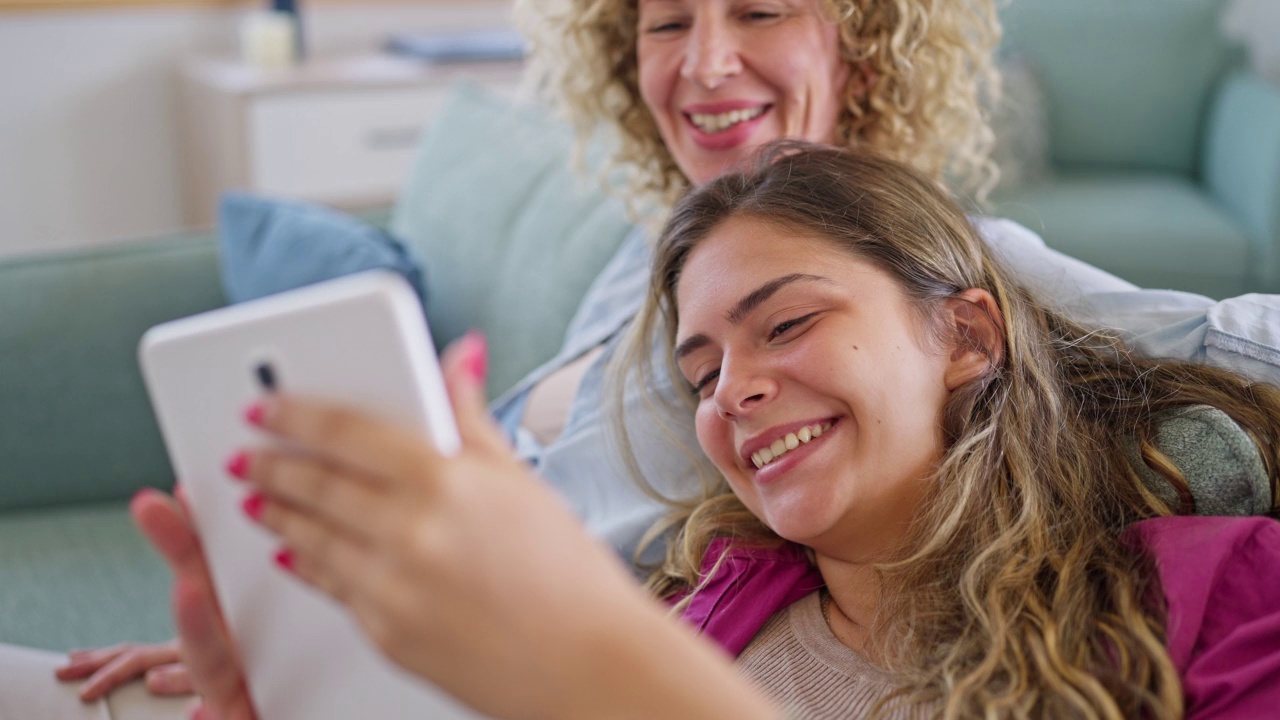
<point>270,246</point>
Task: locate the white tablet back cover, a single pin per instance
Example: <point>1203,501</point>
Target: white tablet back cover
<point>362,341</point>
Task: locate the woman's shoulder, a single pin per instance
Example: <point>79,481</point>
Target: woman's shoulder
<point>1220,577</point>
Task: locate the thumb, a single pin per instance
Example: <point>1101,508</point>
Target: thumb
<point>465,363</point>
<point>210,654</point>
<point>169,530</point>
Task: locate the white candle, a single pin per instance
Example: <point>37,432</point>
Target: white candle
<point>269,40</point>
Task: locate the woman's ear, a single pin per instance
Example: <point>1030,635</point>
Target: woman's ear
<point>977,327</point>
<point>866,79</point>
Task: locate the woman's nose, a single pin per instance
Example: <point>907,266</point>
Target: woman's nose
<point>712,54</point>
<point>740,389</point>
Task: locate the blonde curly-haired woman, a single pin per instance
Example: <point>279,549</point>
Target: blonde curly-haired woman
<point>663,78</point>
<point>680,90</point>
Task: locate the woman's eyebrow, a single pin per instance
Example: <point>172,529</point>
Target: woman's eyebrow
<point>743,307</point>
<point>752,300</point>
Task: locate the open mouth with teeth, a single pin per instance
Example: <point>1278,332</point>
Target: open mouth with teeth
<point>787,443</point>
<point>719,122</point>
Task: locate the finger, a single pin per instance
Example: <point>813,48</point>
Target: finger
<point>347,437</point>
<point>333,559</point>
<point>350,503</point>
<point>342,572</point>
<point>83,663</point>
<point>171,679</point>
<point>170,531</point>
<point>82,653</point>
<point>465,364</point>
<point>126,667</point>
<point>209,653</point>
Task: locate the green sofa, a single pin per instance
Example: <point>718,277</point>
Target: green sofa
<point>510,239</point>
<point>1164,152</point>
<point>77,436</point>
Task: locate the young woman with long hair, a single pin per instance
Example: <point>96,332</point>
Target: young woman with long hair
<point>919,503</point>
<point>1009,575</point>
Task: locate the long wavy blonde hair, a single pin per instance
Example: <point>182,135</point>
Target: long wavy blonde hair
<point>1014,595</point>
<point>931,60</point>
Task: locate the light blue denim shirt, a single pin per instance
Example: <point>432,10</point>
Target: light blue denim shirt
<point>1240,334</point>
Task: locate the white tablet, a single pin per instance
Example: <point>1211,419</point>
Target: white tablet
<point>362,341</point>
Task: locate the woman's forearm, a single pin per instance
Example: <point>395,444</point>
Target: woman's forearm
<point>642,663</point>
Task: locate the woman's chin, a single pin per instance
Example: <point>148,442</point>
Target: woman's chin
<point>702,166</point>
<point>798,526</point>
<point>707,169</point>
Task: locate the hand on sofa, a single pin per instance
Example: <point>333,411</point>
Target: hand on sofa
<point>205,646</point>
<point>105,669</point>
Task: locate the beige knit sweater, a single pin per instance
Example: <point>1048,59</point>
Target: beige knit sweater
<point>798,662</point>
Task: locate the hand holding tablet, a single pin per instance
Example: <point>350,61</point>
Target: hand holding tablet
<point>360,341</point>
<point>458,563</point>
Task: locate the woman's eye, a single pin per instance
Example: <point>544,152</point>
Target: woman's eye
<point>705,382</point>
<point>666,26</point>
<point>782,327</point>
<point>759,15</point>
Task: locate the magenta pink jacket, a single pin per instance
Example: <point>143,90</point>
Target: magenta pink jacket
<point>1221,577</point>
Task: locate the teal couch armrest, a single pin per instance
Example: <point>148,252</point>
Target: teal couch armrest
<point>75,422</point>
<point>1242,167</point>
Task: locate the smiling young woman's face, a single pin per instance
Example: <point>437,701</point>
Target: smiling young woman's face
<point>723,77</point>
<point>819,393</point>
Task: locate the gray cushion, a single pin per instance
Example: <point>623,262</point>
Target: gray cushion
<point>1221,463</point>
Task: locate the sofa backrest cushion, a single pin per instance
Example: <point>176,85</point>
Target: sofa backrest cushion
<point>1128,82</point>
<point>509,234</point>
<point>76,425</point>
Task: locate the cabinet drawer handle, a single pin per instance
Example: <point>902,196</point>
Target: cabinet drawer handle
<point>400,138</point>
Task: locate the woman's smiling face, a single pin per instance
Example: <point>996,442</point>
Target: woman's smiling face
<point>723,77</point>
<point>819,392</point>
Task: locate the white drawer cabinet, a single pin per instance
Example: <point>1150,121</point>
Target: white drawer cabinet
<point>341,132</point>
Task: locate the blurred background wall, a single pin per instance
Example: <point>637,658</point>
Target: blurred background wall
<point>89,102</point>
<point>89,106</point>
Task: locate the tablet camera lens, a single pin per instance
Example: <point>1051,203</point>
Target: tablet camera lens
<point>266,376</point>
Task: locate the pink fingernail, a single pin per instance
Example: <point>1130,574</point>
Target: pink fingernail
<point>255,414</point>
<point>253,505</point>
<point>285,560</point>
<point>478,360</point>
<point>238,466</point>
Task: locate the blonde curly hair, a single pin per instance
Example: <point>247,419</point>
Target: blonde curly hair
<point>931,60</point>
